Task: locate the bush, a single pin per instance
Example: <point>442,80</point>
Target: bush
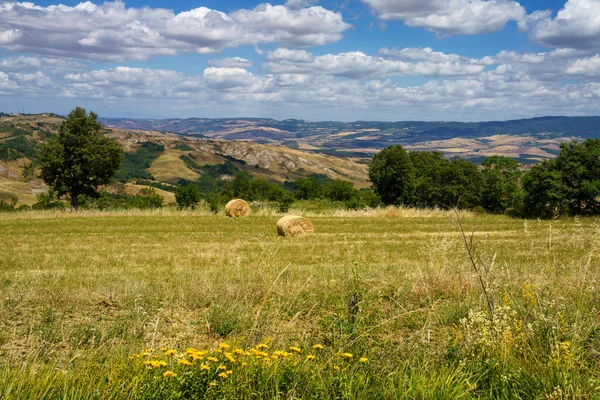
<point>48,201</point>
<point>187,196</point>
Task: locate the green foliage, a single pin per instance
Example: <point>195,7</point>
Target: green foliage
<point>47,201</point>
<point>579,166</point>
<point>147,199</point>
<point>462,184</point>
<point>339,190</point>
<point>545,193</point>
<point>183,146</point>
<point>187,196</point>
<point>567,184</point>
<point>393,176</point>
<point>5,207</point>
<point>79,158</point>
<point>18,147</point>
<point>307,188</point>
<point>135,165</point>
<point>429,168</point>
<point>501,184</point>
<point>285,201</point>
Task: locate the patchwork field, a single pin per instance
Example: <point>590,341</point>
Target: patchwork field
<point>82,292</point>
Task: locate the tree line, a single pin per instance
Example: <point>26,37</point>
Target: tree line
<point>566,185</point>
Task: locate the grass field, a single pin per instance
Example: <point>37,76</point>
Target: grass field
<point>82,292</point>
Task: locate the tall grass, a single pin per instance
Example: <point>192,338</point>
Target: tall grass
<point>83,292</point>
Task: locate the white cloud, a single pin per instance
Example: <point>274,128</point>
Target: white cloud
<point>112,32</point>
<point>585,67</point>
<point>467,17</point>
<point>577,25</point>
<point>230,62</point>
<point>357,65</point>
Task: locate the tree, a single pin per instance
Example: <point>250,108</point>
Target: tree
<point>579,166</point>
<point>545,193</point>
<point>187,196</point>
<point>339,190</point>
<point>501,184</point>
<point>461,184</point>
<point>79,159</point>
<point>307,188</point>
<point>393,176</point>
<point>429,168</point>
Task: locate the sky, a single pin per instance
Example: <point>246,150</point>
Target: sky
<point>392,60</point>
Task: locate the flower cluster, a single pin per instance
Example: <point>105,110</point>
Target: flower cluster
<point>220,364</point>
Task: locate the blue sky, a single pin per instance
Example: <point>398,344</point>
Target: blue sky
<point>466,60</point>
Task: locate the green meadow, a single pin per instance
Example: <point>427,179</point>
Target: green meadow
<point>168,304</point>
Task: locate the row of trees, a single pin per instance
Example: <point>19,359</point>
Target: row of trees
<point>569,184</point>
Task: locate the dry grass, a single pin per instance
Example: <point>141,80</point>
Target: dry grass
<point>78,288</point>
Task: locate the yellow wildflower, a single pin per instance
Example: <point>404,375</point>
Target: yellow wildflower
<point>229,356</point>
<point>296,349</point>
<point>336,367</point>
<point>239,351</point>
<point>196,357</point>
<point>244,364</point>
<point>223,375</point>
<point>318,346</point>
<point>310,357</point>
<point>222,367</point>
<point>212,384</point>
<point>169,374</point>
<point>347,355</point>
<point>184,362</point>
<point>213,359</point>
<point>205,367</point>
<point>262,346</point>
<point>223,346</point>
<point>170,352</point>
<point>229,372</point>
<point>363,359</point>
<point>164,348</point>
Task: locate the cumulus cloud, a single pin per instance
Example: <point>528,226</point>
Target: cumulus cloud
<point>112,32</point>
<point>585,67</point>
<point>357,65</point>
<point>468,17</point>
<point>576,25</point>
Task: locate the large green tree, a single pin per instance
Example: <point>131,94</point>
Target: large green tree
<point>545,193</point>
<point>393,176</point>
<point>579,166</point>
<point>501,184</point>
<point>79,159</point>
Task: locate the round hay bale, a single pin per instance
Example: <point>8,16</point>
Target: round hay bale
<point>237,208</point>
<point>293,225</point>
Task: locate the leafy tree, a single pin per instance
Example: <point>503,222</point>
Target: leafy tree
<point>339,190</point>
<point>79,159</point>
<point>501,184</point>
<point>545,193</point>
<point>307,188</point>
<point>187,196</point>
<point>579,166</point>
<point>393,176</point>
<point>462,184</point>
<point>429,169</point>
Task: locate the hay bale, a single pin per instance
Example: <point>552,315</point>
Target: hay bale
<point>237,208</point>
<point>293,225</point>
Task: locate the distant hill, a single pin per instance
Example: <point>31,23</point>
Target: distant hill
<point>161,159</point>
<point>527,140</point>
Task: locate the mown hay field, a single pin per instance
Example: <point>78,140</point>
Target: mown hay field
<point>85,296</point>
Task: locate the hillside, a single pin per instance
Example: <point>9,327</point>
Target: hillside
<point>527,140</point>
<point>162,159</point>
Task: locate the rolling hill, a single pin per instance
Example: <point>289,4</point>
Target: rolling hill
<point>527,140</point>
<point>162,159</point>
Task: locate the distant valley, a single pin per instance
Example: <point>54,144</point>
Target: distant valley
<point>527,140</point>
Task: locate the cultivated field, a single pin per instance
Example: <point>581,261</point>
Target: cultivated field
<point>82,292</point>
